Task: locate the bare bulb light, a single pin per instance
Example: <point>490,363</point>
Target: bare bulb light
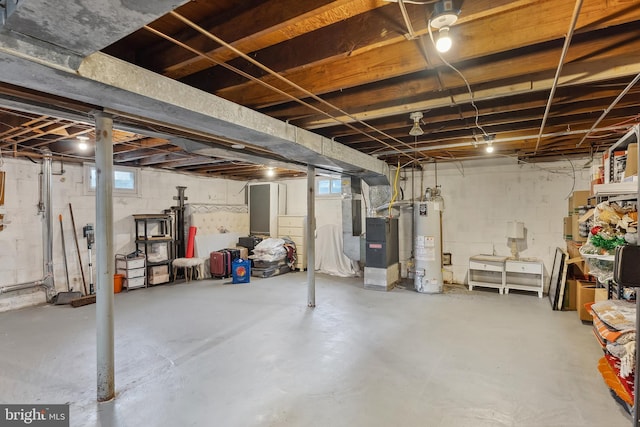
<point>271,172</point>
<point>489,148</point>
<point>82,144</point>
<point>416,130</point>
<point>444,40</point>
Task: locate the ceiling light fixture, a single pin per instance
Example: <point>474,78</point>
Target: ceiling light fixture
<point>443,17</point>
<point>444,42</point>
<point>238,146</point>
<point>271,172</point>
<point>489,139</point>
<point>83,145</point>
<point>416,130</point>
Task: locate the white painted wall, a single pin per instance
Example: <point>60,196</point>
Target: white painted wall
<point>328,209</point>
<point>480,198</point>
<point>21,251</point>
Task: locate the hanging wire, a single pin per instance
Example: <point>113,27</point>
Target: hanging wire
<point>466,82</point>
<point>279,77</point>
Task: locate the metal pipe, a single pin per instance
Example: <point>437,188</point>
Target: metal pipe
<point>636,380</point>
<point>509,139</point>
<point>283,79</point>
<point>565,49</point>
<point>610,107</point>
<point>311,236</point>
<point>47,226</point>
<point>411,34</point>
<point>104,257</point>
<point>44,207</point>
<point>21,286</point>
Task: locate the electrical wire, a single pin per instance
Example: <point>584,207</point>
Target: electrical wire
<point>466,82</point>
<point>279,77</point>
<point>417,2</point>
<point>573,185</point>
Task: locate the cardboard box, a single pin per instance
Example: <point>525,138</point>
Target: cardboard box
<point>585,294</point>
<point>573,249</point>
<point>575,229</point>
<point>632,161</point>
<point>600,294</point>
<point>569,303</point>
<point>567,228</point>
<point>578,198</point>
<point>158,270</point>
<point>158,278</point>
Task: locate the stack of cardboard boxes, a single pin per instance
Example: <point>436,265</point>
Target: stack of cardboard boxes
<point>580,287</point>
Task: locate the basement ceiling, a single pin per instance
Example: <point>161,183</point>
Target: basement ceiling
<point>519,75</point>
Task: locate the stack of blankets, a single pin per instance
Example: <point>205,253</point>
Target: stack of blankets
<point>273,256</point>
<point>614,327</point>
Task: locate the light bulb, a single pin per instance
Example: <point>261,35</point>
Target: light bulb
<point>270,172</point>
<point>444,40</point>
<point>489,148</point>
<point>83,145</point>
<point>416,130</point>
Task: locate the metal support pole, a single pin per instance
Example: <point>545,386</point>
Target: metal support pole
<point>636,379</point>
<point>47,228</point>
<point>180,233</point>
<point>311,236</point>
<point>104,257</point>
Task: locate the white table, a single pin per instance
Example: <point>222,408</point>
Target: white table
<point>524,275</point>
<point>487,271</point>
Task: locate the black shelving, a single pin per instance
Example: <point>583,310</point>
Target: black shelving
<point>155,239</point>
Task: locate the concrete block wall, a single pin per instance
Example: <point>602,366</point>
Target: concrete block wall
<point>480,198</point>
<point>21,253</point>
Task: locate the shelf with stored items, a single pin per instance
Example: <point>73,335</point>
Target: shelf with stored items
<point>615,226</point>
<point>133,268</point>
<point>155,240</point>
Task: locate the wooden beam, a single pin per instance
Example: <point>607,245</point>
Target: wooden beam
<point>573,74</point>
<point>527,24</point>
<point>255,29</point>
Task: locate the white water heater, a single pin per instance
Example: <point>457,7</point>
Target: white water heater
<point>427,250</point>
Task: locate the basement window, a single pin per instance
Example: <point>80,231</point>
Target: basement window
<point>125,180</point>
<point>328,186</point>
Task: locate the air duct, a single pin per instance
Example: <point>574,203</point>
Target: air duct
<point>351,217</point>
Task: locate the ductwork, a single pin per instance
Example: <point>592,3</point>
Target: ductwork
<point>83,26</point>
<point>351,217</point>
<point>126,90</point>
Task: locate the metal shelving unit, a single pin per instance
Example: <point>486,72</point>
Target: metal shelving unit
<point>154,238</point>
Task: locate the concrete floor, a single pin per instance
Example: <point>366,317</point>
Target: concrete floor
<point>209,354</point>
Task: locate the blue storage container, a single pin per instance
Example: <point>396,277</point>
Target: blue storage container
<point>241,271</point>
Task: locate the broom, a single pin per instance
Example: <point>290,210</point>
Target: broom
<point>65,297</point>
